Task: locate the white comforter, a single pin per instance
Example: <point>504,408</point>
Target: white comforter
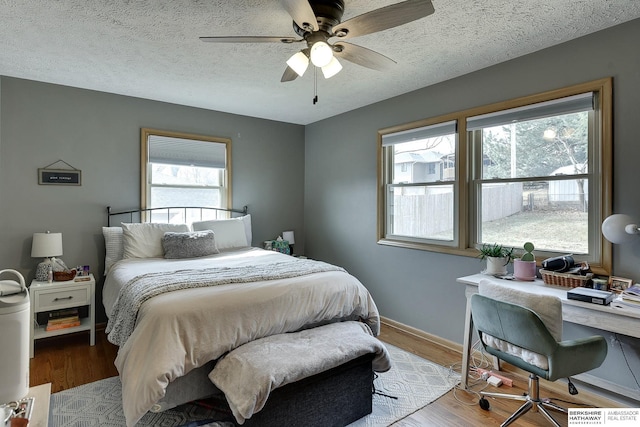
<point>182,330</point>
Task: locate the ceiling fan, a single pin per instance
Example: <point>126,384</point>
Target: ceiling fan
<point>318,23</point>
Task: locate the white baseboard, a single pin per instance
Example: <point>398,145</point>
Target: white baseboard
<point>421,334</point>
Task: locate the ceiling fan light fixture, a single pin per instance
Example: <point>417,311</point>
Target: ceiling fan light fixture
<point>332,68</point>
<point>298,63</point>
<point>321,54</point>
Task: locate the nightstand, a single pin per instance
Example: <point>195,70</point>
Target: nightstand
<point>59,295</point>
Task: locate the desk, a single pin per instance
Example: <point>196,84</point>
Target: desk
<point>583,313</point>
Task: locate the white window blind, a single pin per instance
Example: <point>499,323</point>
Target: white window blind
<point>431,131</point>
<point>567,105</point>
<point>186,152</point>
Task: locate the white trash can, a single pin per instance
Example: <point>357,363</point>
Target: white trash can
<point>14,334</point>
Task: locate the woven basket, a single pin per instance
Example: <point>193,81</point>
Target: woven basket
<point>63,276</point>
<point>565,279</point>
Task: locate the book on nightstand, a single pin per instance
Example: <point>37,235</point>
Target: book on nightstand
<point>593,296</point>
<point>63,323</point>
<point>59,326</point>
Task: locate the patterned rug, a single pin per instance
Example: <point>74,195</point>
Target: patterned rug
<point>415,382</point>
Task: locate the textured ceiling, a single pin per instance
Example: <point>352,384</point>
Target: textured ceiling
<point>150,49</point>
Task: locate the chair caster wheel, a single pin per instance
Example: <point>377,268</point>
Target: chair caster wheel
<point>484,404</point>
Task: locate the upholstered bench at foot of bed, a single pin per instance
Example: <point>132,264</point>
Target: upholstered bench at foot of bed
<point>333,398</point>
<point>317,377</point>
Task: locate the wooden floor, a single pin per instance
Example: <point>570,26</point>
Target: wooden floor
<point>69,361</point>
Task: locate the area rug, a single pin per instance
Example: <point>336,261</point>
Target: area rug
<point>411,384</point>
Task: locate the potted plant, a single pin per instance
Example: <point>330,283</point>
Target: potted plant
<point>497,257</point>
<point>524,268</point>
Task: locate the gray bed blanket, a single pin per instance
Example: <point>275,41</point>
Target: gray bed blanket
<point>248,374</point>
<point>146,286</point>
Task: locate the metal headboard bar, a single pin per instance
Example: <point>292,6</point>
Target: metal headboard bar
<point>243,211</point>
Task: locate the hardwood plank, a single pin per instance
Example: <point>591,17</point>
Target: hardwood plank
<point>68,361</point>
<point>460,407</point>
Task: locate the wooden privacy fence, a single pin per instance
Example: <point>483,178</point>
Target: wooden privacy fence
<point>430,214</point>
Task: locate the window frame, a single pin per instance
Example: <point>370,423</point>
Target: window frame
<point>385,171</point>
<point>465,222</point>
<point>145,171</point>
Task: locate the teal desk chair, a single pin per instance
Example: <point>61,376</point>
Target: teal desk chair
<point>520,326</point>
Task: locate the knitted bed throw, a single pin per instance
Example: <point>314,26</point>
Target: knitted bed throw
<point>146,286</point>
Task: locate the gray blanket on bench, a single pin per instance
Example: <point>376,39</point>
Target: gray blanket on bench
<point>248,374</point>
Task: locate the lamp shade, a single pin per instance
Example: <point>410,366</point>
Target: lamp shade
<point>321,54</point>
<point>619,229</point>
<point>46,245</point>
<point>289,237</point>
<point>332,68</point>
<point>298,63</point>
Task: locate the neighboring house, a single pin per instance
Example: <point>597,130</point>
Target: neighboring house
<point>419,166</point>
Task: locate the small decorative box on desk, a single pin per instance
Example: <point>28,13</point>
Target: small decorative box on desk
<point>64,302</point>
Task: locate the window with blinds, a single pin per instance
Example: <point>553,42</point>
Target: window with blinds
<point>533,173</point>
<point>419,183</point>
<point>184,170</point>
<point>532,169</point>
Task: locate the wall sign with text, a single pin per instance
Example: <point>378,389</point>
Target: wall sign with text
<point>59,176</point>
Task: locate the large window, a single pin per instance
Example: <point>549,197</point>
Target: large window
<point>534,169</point>
<point>181,169</point>
<point>420,183</point>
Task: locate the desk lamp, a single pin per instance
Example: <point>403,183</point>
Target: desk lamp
<point>620,229</point>
<point>289,237</point>
<point>47,245</point>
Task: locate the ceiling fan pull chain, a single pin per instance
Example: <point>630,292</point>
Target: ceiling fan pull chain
<point>315,85</point>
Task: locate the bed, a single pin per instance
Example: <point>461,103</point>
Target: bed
<point>179,297</point>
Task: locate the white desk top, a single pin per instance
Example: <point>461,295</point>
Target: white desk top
<point>603,317</point>
<point>539,287</point>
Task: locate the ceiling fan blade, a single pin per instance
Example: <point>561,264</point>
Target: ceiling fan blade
<point>384,18</point>
<point>302,14</point>
<point>363,56</point>
<point>250,39</point>
<point>289,75</point>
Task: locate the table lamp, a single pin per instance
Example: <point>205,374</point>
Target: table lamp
<point>289,237</point>
<point>45,245</point>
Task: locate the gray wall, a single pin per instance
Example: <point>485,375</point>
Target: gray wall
<point>99,133</point>
<point>419,288</point>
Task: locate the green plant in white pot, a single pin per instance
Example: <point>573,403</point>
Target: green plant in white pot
<point>524,268</point>
<point>497,257</point>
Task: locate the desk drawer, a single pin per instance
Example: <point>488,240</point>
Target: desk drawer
<point>52,300</point>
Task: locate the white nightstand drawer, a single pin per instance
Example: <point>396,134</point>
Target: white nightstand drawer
<point>52,300</point>
<point>62,295</point>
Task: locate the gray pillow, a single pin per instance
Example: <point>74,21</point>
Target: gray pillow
<point>189,245</point>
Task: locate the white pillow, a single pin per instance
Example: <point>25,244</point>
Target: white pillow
<point>144,240</point>
<point>230,233</point>
<point>246,220</point>
<point>113,245</point>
